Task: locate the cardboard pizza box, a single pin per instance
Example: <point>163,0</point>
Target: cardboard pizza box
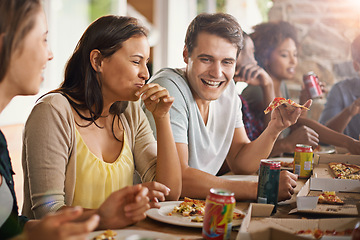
<point>266,228</point>
<point>341,158</point>
<point>321,168</point>
<point>347,190</point>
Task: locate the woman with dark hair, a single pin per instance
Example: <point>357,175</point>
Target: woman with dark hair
<point>276,50</point>
<point>84,141</point>
<point>24,53</point>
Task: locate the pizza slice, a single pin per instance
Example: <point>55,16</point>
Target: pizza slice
<point>279,101</point>
<point>329,197</point>
<point>355,176</point>
<point>318,233</point>
<point>341,170</point>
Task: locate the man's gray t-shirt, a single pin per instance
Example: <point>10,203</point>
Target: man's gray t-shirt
<point>208,144</point>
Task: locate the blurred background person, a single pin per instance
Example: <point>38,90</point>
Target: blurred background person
<point>24,52</point>
<point>282,53</point>
<point>248,71</point>
<point>342,108</point>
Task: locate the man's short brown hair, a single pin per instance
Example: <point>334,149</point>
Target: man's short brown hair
<point>220,24</point>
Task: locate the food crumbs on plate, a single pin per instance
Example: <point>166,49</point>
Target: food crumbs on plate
<point>198,219</point>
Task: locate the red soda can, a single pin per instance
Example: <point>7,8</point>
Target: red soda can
<point>312,85</point>
<point>219,209</point>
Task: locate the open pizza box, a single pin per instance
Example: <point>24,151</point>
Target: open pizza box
<point>321,161</point>
<point>347,190</point>
<point>323,180</point>
<point>257,226</point>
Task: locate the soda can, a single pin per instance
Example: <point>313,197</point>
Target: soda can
<point>219,209</point>
<point>303,160</point>
<point>311,82</point>
<point>268,186</point>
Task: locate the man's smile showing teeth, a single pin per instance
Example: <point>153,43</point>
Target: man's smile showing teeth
<point>211,83</point>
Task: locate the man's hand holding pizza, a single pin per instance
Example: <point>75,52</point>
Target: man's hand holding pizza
<point>285,115</point>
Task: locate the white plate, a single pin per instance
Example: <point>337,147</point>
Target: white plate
<point>320,150</point>
<point>162,215</point>
<point>325,149</point>
<point>283,159</point>
<point>250,178</point>
<point>127,234</point>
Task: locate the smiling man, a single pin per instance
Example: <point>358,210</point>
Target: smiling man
<point>206,115</point>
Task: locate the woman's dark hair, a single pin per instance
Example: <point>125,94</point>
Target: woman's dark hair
<point>17,18</point>
<point>268,36</point>
<point>82,84</point>
<point>220,24</point>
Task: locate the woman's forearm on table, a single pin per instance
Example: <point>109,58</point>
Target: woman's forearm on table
<point>168,170</point>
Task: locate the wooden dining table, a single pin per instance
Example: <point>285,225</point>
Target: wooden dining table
<point>190,233</point>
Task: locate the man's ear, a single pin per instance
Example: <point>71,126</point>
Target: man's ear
<point>96,60</point>
<point>185,54</point>
<point>356,66</point>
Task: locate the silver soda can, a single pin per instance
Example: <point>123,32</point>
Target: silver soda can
<point>311,82</point>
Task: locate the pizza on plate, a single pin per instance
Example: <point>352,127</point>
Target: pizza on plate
<point>190,207</point>
<point>287,164</point>
<point>345,171</point>
<point>194,207</point>
<point>329,197</point>
<point>279,101</point>
<point>106,235</point>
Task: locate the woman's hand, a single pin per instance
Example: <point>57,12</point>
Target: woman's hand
<point>124,207</point>
<point>252,74</point>
<point>354,108</point>
<point>156,99</point>
<point>157,192</point>
<point>304,93</point>
<point>59,226</point>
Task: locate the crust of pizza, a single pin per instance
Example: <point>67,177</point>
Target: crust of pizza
<point>329,197</point>
<point>279,101</point>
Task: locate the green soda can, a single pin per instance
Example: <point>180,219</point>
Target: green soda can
<point>268,186</point>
